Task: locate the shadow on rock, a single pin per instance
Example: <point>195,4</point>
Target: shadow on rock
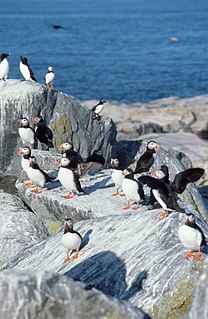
<point>126,152</point>
<point>86,239</point>
<point>98,185</point>
<point>107,273</point>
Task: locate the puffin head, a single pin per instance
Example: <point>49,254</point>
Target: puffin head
<point>25,150</point>
<point>152,145</point>
<point>38,119</point>
<point>50,69</point>
<point>64,161</point>
<point>65,146</point>
<point>190,220</point>
<point>24,122</point>
<point>68,224</point>
<point>23,59</point>
<point>4,56</point>
<point>158,174</point>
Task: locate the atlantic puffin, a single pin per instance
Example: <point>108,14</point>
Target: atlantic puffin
<point>26,132</point>
<point>97,109</point>
<point>25,152</point>
<point>37,175</point>
<point>96,161</point>
<point>132,189</point>
<point>68,178</point>
<point>147,159</point>
<point>4,66</point>
<point>68,151</point>
<point>71,239</point>
<point>26,70</point>
<point>165,192</point>
<point>49,78</point>
<point>43,133</point>
<point>192,237</point>
<point>117,176</point>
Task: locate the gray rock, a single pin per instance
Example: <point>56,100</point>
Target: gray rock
<point>67,118</point>
<point>48,295</point>
<point>20,228</point>
<point>199,305</point>
<point>131,256</point>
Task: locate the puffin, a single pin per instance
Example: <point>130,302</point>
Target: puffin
<point>68,151</point>
<point>26,132</point>
<point>71,240</point>
<point>147,159</point>
<point>95,161</point>
<point>97,109</point>
<point>117,176</point>
<point>192,237</point>
<point>49,78</point>
<point>4,66</point>
<point>43,133</point>
<point>132,189</point>
<point>25,152</point>
<point>69,178</point>
<point>26,70</point>
<point>37,175</point>
<point>165,192</point>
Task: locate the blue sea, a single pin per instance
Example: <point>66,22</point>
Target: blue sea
<point>122,50</point>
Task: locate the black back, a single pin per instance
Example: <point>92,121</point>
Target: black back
<point>182,179</point>
<point>145,162</point>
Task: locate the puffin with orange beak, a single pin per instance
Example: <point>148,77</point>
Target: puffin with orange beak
<point>71,239</point>
<point>147,159</point>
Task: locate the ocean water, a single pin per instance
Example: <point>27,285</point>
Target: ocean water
<point>117,49</point>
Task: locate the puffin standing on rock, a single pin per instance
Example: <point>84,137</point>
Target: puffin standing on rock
<point>26,132</point>
<point>26,70</point>
<point>97,109</point>
<point>165,192</point>
<point>43,133</point>
<point>49,78</point>
<point>132,189</point>
<point>25,152</point>
<point>71,239</point>
<point>192,237</point>
<point>117,176</point>
<point>37,175</point>
<point>147,159</point>
<point>68,178</point>
<point>4,66</point>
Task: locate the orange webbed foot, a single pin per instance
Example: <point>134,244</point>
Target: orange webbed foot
<point>122,194</point>
<point>164,215</point>
<point>29,184</point>
<point>76,255</point>
<point>196,256</point>
<point>67,259</point>
<point>135,207</point>
<point>126,207</point>
<point>188,255</point>
<point>115,194</point>
<point>70,195</point>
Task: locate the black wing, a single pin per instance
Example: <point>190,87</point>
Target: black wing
<point>96,158</point>
<point>32,74</point>
<point>49,135</point>
<point>77,183</point>
<point>154,184</point>
<point>140,190</point>
<point>182,179</point>
<point>144,163</point>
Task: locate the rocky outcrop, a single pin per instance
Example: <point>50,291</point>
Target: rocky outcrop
<point>199,305</point>
<point>68,119</point>
<point>159,116</point>
<point>20,228</point>
<point>49,295</point>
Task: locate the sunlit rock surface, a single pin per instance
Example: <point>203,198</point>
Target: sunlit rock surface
<point>40,295</point>
<point>68,119</point>
<point>20,228</point>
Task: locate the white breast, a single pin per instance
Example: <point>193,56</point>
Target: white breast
<point>71,241</point>
<point>99,108</point>
<point>25,71</point>
<point>130,189</point>
<point>4,69</point>
<point>49,77</point>
<point>190,237</point>
<point>117,177</point>
<point>27,135</point>
<point>25,164</point>
<point>36,176</point>
<point>66,178</point>
<point>158,198</point>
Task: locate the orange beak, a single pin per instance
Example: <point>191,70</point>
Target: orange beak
<point>157,147</point>
<point>60,148</point>
<point>19,152</point>
<point>58,160</point>
<point>153,174</point>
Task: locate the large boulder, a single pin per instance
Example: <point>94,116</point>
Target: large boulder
<point>68,119</point>
<point>48,295</point>
<point>20,228</point>
<point>199,304</point>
